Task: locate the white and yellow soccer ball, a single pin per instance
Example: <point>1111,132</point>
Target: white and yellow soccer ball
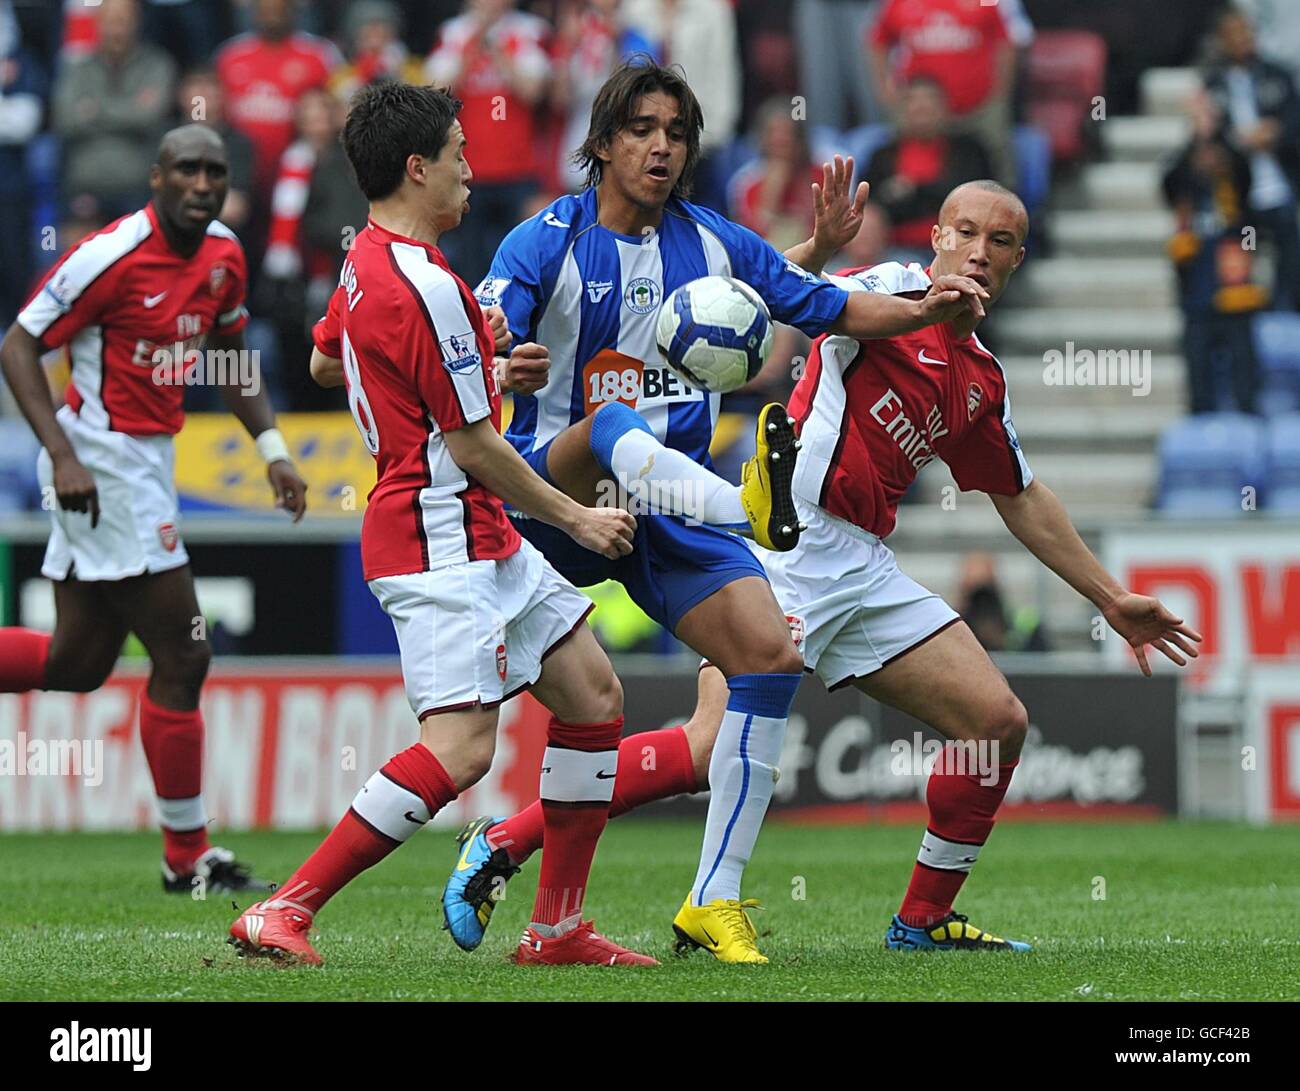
<point>715,333</point>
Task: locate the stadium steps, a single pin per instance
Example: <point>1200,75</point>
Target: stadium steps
<point>1116,282</point>
<point>1040,329</point>
<point>1122,185</point>
<point>1111,234</point>
<point>1165,91</point>
<point>1144,138</point>
<point>1030,393</point>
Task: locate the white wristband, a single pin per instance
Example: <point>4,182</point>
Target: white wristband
<point>271,446</point>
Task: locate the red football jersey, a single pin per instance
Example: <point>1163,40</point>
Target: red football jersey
<point>872,413</point>
<point>417,360</point>
<point>125,303</point>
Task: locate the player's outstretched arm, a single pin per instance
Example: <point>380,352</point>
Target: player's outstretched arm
<point>326,370</point>
<point>868,315</point>
<point>20,359</point>
<point>837,216</point>
<point>1038,518</point>
<point>241,389</point>
<point>484,455</point>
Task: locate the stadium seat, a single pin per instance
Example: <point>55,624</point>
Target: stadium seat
<point>19,489</point>
<point>1206,461</point>
<point>1033,151</point>
<point>41,160</point>
<point>1284,464</point>
<point>1067,70</point>
<point>1277,345</point>
<point>862,142</point>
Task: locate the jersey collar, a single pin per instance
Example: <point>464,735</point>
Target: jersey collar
<point>384,236</point>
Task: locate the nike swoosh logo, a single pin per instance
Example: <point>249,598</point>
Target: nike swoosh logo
<point>463,863</point>
<point>707,936</point>
<point>411,818</point>
<point>930,359</point>
<point>154,300</point>
<point>605,776</point>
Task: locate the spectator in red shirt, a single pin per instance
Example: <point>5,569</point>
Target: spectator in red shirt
<point>494,59</point>
<point>772,195</point>
<point>911,175</point>
<point>263,74</point>
<point>962,45</point>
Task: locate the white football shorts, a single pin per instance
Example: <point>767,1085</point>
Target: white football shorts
<point>139,517</point>
<point>477,632</point>
<point>851,609</point>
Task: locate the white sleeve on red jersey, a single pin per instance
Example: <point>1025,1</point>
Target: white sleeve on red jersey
<point>448,347</point>
<point>75,292</point>
<point>233,315</point>
<point>989,457</point>
<point>887,278</point>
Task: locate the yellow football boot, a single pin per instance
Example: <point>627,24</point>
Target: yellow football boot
<point>722,928</point>
<point>766,479</point>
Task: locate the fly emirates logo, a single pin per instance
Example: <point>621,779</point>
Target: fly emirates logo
<point>915,441</point>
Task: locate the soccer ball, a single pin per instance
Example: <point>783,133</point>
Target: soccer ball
<point>715,333</point>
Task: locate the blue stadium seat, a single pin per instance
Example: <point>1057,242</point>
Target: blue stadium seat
<point>1033,151</point>
<point>19,489</point>
<point>1277,345</point>
<point>1284,464</point>
<point>862,142</point>
<point>1206,461</point>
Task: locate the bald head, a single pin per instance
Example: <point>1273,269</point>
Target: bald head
<point>189,142</point>
<point>985,191</point>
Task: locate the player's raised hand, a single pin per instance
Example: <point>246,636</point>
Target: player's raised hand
<point>500,329</point>
<point>75,488</point>
<point>607,531</point>
<point>950,296</point>
<point>837,213</point>
<point>1142,620</point>
<point>526,370</point>
<point>290,489</point>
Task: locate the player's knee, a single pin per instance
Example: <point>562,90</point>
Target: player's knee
<point>69,674</point>
<point>1005,723</point>
<point>185,664</point>
<point>780,657</point>
<point>606,697</point>
<point>475,759</point>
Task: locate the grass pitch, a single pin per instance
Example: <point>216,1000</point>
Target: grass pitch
<point>1186,911</point>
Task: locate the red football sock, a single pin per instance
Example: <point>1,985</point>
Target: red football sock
<point>652,765</point>
<point>173,746</point>
<point>575,801</point>
<point>962,811</point>
<point>412,782</point>
<point>23,653</point>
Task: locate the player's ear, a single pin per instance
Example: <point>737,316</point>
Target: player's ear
<point>1019,258</point>
<point>415,169</point>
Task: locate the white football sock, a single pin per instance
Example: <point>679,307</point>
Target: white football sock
<point>657,478</point>
<point>742,774</point>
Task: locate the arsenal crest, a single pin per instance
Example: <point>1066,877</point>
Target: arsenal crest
<point>501,661</point>
<point>796,629</point>
<point>974,395</point>
<point>169,536</point>
<point>216,279</point>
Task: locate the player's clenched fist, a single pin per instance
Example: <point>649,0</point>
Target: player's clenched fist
<point>290,489</point>
<point>500,329</point>
<point>526,370</point>
<point>607,531</point>
<point>75,488</point>
<point>950,296</point>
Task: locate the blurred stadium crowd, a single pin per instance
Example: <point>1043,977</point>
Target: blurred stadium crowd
<point>925,94</point>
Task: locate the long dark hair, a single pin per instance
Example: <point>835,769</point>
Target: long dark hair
<point>615,106</point>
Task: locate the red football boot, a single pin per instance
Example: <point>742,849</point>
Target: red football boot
<point>581,946</point>
<point>273,933</point>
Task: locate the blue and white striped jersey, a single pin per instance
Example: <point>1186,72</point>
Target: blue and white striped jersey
<point>592,297</point>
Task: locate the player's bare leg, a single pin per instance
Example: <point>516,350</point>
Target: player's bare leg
<point>950,683</point>
<point>579,769</point>
<point>455,751</point>
<point>162,610</point>
<point>77,657</point>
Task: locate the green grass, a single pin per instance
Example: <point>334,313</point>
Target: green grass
<point>1193,911</point>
